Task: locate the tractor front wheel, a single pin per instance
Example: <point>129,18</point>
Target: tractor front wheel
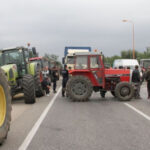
<point>124,91</point>
<point>29,89</point>
<point>5,107</point>
<point>79,88</point>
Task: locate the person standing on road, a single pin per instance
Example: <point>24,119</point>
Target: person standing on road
<point>65,76</point>
<point>45,72</point>
<point>147,77</point>
<point>54,78</point>
<point>46,85</point>
<point>136,80</point>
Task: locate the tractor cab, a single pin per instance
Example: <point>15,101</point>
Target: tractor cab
<point>90,65</point>
<point>18,56</point>
<point>39,61</point>
<point>42,62</point>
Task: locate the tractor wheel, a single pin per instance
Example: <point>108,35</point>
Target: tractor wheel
<point>113,93</point>
<point>102,93</point>
<point>5,107</point>
<point>29,89</point>
<point>79,88</point>
<point>38,83</point>
<point>124,91</point>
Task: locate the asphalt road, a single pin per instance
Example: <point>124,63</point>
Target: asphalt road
<point>99,124</point>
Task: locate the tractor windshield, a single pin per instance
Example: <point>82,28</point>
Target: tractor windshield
<point>39,62</point>
<point>70,60</point>
<point>81,62</point>
<point>12,57</point>
<point>94,62</point>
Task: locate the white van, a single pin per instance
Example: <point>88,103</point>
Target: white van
<point>127,63</point>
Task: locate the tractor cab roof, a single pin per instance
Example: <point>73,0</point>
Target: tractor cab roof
<point>87,53</point>
<point>12,48</point>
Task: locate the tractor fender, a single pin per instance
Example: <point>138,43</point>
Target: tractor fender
<point>32,68</point>
<point>11,73</point>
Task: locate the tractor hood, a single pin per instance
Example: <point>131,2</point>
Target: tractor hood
<point>124,74</point>
<point>8,67</point>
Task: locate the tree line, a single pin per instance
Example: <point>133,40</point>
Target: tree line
<point>128,54</point>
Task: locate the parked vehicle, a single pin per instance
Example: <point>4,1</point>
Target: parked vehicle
<point>22,75</point>
<point>5,107</point>
<point>144,64</point>
<point>125,63</point>
<point>45,64</point>
<point>69,55</point>
<point>90,75</point>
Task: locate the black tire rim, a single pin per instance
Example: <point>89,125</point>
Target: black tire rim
<point>79,88</point>
<point>124,91</point>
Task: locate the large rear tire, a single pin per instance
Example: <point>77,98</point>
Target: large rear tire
<point>5,107</point>
<point>124,91</point>
<point>79,88</point>
<point>38,83</point>
<point>29,89</point>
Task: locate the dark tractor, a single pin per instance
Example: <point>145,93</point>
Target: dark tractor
<point>90,75</point>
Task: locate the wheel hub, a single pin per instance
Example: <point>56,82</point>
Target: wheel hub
<point>125,91</point>
<point>79,88</point>
<point>2,106</point>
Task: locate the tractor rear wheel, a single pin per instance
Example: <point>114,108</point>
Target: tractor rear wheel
<point>38,83</point>
<point>5,107</point>
<point>29,89</point>
<point>79,88</point>
<point>124,91</point>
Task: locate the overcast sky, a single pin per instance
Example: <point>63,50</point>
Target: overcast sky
<point>50,25</point>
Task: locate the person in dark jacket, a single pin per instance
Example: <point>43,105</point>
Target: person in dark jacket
<point>46,85</point>
<point>147,77</point>
<point>136,80</point>
<point>54,74</point>
<point>65,76</point>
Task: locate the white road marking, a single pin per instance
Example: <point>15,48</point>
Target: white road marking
<point>138,111</point>
<point>36,126</point>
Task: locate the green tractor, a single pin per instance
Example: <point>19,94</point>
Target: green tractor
<point>5,107</point>
<point>23,76</point>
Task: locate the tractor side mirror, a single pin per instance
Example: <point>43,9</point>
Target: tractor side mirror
<point>63,60</point>
<point>34,50</point>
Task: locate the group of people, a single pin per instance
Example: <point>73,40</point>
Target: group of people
<point>52,76</point>
<point>137,80</point>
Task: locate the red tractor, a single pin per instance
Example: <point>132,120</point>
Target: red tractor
<point>41,65</point>
<point>46,64</point>
<point>90,75</point>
